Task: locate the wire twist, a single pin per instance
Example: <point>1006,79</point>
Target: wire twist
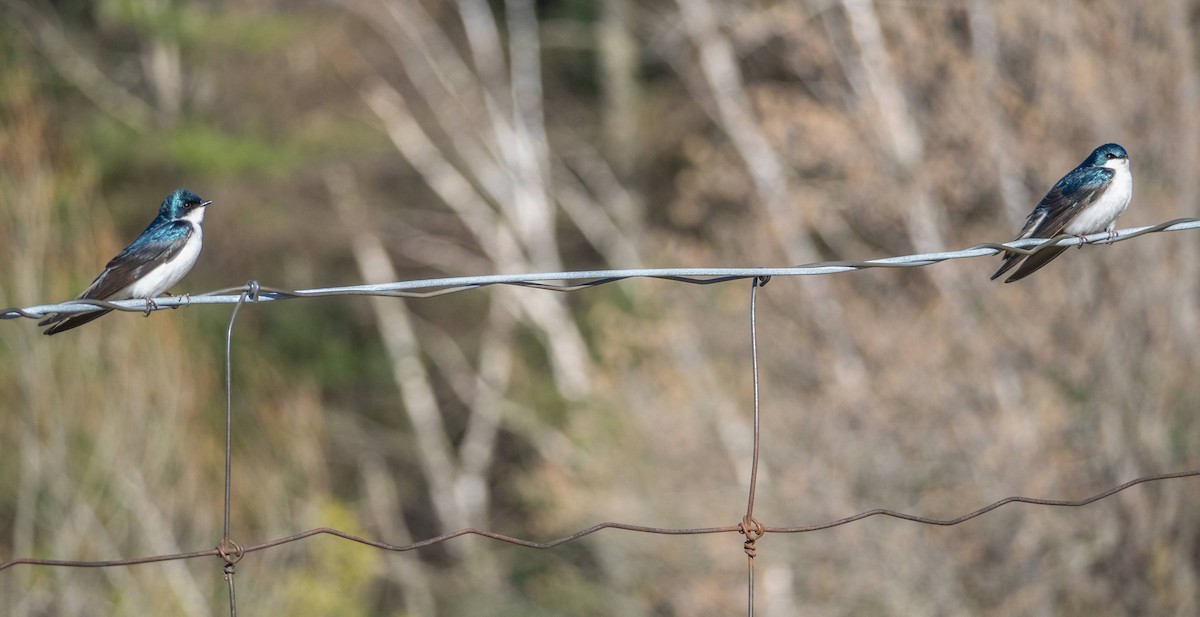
<point>230,552</point>
<point>753,530</point>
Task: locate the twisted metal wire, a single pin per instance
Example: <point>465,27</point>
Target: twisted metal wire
<point>427,288</point>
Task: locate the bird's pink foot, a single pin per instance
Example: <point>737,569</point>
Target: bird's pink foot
<point>171,295</point>
<point>150,306</point>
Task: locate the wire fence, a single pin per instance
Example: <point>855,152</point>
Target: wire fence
<point>231,552</point>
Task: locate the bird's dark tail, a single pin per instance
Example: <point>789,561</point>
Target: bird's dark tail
<point>62,323</point>
<point>1010,260</point>
<point>1035,261</point>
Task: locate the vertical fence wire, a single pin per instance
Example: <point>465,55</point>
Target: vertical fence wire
<point>231,552</point>
<point>751,528</point>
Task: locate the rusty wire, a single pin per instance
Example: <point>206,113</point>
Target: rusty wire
<point>231,552</point>
<point>546,544</point>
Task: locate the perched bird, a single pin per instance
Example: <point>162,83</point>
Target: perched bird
<point>1086,200</point>
<point>150,265</point>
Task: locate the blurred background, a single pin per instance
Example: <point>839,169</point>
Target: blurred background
<point>375,140</point>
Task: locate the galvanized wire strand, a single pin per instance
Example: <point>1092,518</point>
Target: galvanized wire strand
<point>232,595</point>
<point>752,529</point>
<point>754,285</point>
<point>749,586</point>
<point>229,551</point>
<point>427,288</point>
<point>250,290</point>
<point>601,526</point>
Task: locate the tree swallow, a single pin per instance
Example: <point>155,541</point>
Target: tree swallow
<point>150,265</point>
<point>1086,200</point>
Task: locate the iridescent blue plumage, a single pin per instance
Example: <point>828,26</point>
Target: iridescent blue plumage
<point>1086,200</point>
<point>163,253</point>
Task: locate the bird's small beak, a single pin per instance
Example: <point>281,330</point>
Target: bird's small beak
<point>205,203</point>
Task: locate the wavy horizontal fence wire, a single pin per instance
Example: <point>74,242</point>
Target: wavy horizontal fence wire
<point>230,552</point>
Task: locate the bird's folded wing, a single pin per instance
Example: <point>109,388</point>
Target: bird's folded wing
<point>154,247</point>
<point>1075,192</point>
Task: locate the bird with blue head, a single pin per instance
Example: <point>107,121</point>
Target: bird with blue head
<point>156,260</point>
<point>1085,201</point>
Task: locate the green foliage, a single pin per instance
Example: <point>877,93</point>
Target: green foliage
<point>167,21</point>
<point>196,25</point>
<point>320,342</point>
<point>333,573</point>
<point>580,11</point>
<point>204,149</point>
<point>254,34</point>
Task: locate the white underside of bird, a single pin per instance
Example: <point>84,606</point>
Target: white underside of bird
<point>164,276</point>
<point>1102,215</point>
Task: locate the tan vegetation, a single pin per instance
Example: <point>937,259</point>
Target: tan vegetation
<point>371,140</point>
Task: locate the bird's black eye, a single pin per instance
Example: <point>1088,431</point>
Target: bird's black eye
<point>1110,155</point>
